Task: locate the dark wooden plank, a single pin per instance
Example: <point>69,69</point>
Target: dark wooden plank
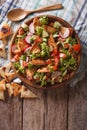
<point>34,113</point>
<point>11,114</point>
<point>49,112</point>
<point>77,109</point>
<point>56,109</point>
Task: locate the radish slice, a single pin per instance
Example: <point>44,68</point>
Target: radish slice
<point>30,34</point>
<point>64,32</point>
<point>13,48</point>
<point>31,28</point>
<point>27,39</point>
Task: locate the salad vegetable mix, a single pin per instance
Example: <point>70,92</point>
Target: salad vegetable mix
<point>45,51</point>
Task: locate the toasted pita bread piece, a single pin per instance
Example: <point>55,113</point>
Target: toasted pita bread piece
<point>2,85</point>
<point>9,76</point>
<point>2,51</point>
<point>5,31</point>
<point>36,22</point>
<point>51,42</point>
<point>5,69</point>
<point>10,89</point>
<point>2,95</point>
<point>26,93</point>
<point>16,88</point>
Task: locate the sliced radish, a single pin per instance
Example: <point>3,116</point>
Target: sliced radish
<point>31,28</point>
<point>62,55</point>
<point>27,59</point>
<point>64,32</point>
<point>13,48</point>
<point>27,39</point>
<point>29,34</point>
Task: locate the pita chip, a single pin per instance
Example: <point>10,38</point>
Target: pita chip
<point>5,69</point>
<point>2,85</point>
<point>5,31</point>
<point>2,51</point>
<point>9,89</point>
<point>9,76</point>
<point>26,93</point>
<point>16,88</point>
<point>2,95</point>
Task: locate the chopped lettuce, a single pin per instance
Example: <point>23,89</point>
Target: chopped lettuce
<point>17,65</point>
<point>34,55</point>
<point>56,25</point>
<point>39,30</point>
<point>71,40</point>
<point>43,20</point>
<point>45,50</point>
<point>25,27</point>
<point>69,63</point>
<point>21,69</point>
<point>22,36</point>
<point>41,78</point>
<point>23,57</point>
<point>30,66</point>
<point>32,38</point>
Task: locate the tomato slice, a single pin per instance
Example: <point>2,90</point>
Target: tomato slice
<point>54,52</point>
<point>15,58</point>
<point>25,64</point>
<point>49,61</point>
<point>56,60</point>
<point>66,45</point>
<point>77,47</point>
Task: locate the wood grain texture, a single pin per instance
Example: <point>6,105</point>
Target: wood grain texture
<point>49,112</point>
<point>11,114</point>
<point>77,109</point>
<point>77,103</point>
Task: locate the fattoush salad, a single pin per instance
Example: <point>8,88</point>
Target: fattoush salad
<point>45,51</point>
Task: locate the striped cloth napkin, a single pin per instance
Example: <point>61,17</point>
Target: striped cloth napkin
<point>75,12</point>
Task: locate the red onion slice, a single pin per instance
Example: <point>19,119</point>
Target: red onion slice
<point>64,32</point>
<point>31,28</point>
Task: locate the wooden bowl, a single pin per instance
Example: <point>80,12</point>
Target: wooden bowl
<point>24,79</point>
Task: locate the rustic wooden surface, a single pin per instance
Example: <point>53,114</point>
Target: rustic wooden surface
<point>64,108</point>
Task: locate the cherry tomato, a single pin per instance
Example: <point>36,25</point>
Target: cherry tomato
<point>77,47</point>
<point>49,61</point>
<point>66,45</point>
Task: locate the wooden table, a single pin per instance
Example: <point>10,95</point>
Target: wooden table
<point>64,108</point>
